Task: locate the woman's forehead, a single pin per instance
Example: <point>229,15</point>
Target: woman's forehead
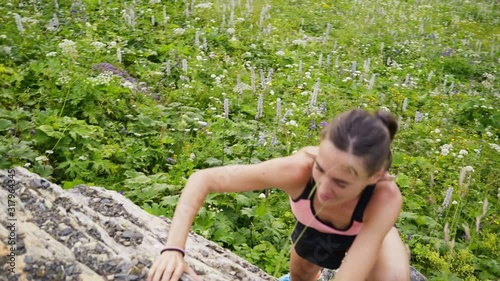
<point>331,158</point>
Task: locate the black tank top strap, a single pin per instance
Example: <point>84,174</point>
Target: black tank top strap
<point>363,202</point>
<point>308,191</point>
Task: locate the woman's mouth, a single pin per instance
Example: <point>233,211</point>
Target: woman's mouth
<point>323,197</point>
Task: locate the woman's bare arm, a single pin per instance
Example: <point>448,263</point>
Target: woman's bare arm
<point>286,173</point>
<point>380,216</point>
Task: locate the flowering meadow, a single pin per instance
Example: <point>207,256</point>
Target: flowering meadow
<point>136,95</point>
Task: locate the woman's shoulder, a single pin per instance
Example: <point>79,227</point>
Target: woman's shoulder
<point>298,169</point>
<point>387,189</point>
<point>309,151</point>
<point>304,158</point>
<point>386,197</point>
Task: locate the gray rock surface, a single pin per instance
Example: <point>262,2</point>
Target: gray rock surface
<point>90,233</point>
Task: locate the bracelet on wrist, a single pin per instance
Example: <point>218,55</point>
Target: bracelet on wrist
<point>176,249</point>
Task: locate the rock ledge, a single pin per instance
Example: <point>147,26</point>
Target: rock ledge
<point>90,233</point>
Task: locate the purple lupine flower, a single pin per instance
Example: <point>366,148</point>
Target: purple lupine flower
<point>33,132</point>
<point>262,139</point>
<point>408,237</point>
<point>323,124</point>
<point>274,140</point>
<point>121,192</point>
<point>105,66</point>
<point>323,107</point>
<point>447,53</point>
<point>313,125</point>
<point>171,160</point>
<point>11,131</point>
<point>226,108</point>
<point>447,199</point>
<point>123,131</point>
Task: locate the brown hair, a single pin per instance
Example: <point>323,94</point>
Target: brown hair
<point>364,134</point>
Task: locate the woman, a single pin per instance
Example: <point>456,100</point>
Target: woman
<point>340,192</point>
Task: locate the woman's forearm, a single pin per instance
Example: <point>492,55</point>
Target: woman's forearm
<point>190,202</point>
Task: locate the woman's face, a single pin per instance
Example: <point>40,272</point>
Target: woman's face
<point>340,177</point>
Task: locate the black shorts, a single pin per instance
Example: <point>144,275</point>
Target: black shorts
<point>322,249</point>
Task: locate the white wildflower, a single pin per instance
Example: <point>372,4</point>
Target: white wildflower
<point>204,5</point>
<point>444,151</point>
<point>447,146</point>
<point>49,152</point>
<point>437,131</point>
<point>179,31</point>
<point>280,53</point>
<point>495,147</point>
<point>83,158</point>
<point>68,47</point>
<point>262,196</point>
<point>41,159</point>
<point>489,134</point>
<point>129,85</point>
<point>62,80</point>
<point>51,54</point>
<point>98,45</point>
<point>469,169</point>
<point>463,152</point>
<point>27,165</point>
<point>292,123</point>
<point>72,148</point>
<point>101,79</point>
<point>299,42</point>
<point>3,36</point>
<point>240,87</point>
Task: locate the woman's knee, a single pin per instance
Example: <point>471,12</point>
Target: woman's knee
<point>301,269</point>
<point>393,262</point>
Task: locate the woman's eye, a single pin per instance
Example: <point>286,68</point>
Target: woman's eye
<point>340,185</point>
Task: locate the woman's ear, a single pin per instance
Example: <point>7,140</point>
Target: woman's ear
<point>378,176</point>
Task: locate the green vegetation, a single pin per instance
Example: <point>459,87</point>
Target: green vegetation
<point>130,95</point>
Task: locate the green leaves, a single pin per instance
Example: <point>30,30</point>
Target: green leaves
<point>420,220</point>
<point>5,124</point>
<point>147,126</point>
<point>49,131</point>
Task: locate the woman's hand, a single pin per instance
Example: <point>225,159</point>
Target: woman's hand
<point>170,266</point>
